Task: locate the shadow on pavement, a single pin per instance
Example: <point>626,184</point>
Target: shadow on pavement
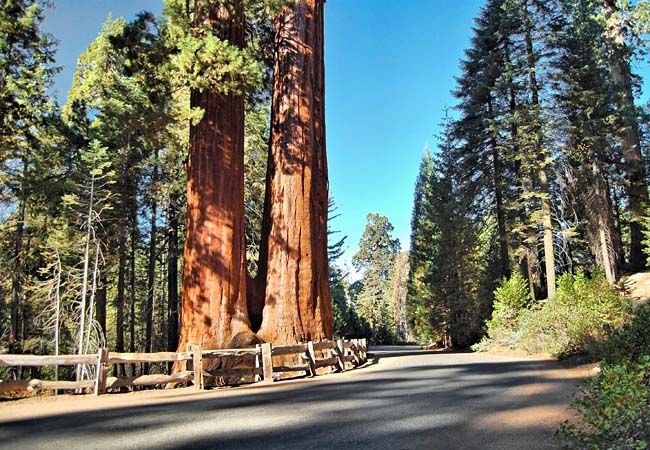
<point>429,403</point>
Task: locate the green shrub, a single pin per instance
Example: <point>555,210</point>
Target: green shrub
<point>576,320</point>
<point>632,341</point>
<point>511,298</point>
<point>615,409</point>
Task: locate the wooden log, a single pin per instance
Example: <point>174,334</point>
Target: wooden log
<point>364,350</point>
<point>100,369</point>
<point>311,358</point>
<point>326,362</point>
<point>160,357</point>
<point>230,352</point>
<point>237,372</point>
<point>46,360</point>
<point>289,349</point>
<point>149,380</point>
<point>197,364</point>
<point>298,368</point>
<point>324,345</point>
<point>267,362</point>
<point>37,385</point>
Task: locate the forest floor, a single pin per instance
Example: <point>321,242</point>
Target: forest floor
<point>406,398</point>
<point>637,286</point>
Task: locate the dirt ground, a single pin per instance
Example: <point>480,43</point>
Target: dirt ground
<point>637,286</point>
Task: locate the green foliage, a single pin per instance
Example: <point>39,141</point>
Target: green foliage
<point>376,257</point>
<point>512,298</point>
<point>576,320</point>
<point>451,275</point>
<point>632,341</point>
<point>614,408</point>
<point>203,60</point>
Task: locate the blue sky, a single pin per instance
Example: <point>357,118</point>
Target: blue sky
<point>390,65</point>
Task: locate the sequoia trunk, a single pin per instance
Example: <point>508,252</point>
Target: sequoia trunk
<point>214,271</point>
<point>297,296</point>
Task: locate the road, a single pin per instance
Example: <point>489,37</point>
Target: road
<point>407,399</point>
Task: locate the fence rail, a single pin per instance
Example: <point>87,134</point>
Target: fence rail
<point>340,355</point>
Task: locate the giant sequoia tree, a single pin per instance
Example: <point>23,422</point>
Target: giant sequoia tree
<point>297,294</point>
<point>214,310</point>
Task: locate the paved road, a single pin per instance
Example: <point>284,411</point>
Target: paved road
<point>409,399</point>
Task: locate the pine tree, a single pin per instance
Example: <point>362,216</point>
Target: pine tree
<point>375,258</point>
<point>26,57</point>
<point>583,94</point>
<point>619,55</point>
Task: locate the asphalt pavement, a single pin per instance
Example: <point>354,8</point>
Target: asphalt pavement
<point>406,399</point>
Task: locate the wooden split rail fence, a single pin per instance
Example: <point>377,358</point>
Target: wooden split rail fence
<point>342,356</point>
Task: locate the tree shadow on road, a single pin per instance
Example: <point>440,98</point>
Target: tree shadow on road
<point>437,405</point>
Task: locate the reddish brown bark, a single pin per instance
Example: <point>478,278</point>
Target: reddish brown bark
<point>214,312</point>
<point>297,297</point>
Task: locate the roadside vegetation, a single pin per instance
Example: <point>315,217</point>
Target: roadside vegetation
<point>614,407</point>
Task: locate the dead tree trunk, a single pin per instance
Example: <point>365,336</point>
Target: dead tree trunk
<point>297,296</point>
<point>214,310</point>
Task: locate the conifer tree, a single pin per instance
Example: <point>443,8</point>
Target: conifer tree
<point>26,57</point>
<point>375,258</point>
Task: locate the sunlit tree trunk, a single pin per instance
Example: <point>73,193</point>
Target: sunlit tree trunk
<point>297,300</point>
<point>636,187</point>
<point>214,310</point>
<point>542,178</point>
<point>602,225</point>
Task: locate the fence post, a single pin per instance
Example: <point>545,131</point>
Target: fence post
<point>355,352</point>
<point>340,354</point>
<point>311,358</point>
<point>258,361</point>
<point>100,371</point>
<point>267,362</point>
<point>197,363</point>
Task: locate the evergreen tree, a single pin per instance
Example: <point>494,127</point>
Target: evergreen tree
<point>26,156</point>
<point>375,258</point>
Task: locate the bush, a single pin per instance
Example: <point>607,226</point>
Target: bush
<point>630,342</point>
<point>615,406</point>
<point>576,320</point>
<point>511,298</point>
<point>615,409</point>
